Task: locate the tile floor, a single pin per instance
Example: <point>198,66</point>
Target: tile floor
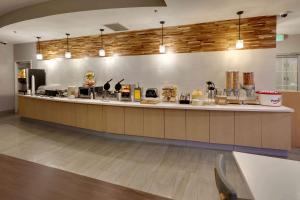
<point>176,172</point>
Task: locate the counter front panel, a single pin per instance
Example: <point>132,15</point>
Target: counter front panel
<point>260,129</point>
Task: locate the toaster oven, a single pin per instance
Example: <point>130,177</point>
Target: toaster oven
<point>85,92</point>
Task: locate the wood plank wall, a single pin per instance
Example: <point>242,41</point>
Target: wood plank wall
<point>257,32</point>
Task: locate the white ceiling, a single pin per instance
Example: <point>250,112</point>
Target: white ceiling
<point>177,12</point>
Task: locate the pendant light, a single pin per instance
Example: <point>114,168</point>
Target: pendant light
<point>101,50</point>
<point>239,42</point>
<point>162,47</point>
<point>39,55</point>
<point>68,53</point>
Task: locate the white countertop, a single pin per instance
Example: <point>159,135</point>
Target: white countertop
<point>230,107</point>
<point>270,178</point>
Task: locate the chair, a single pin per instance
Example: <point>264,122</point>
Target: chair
<point>226,191</point>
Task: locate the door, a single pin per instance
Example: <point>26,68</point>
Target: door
<point>287,73</point>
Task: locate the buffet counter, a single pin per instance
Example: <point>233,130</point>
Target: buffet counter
<point>229,107</point>
<point>241,125</point>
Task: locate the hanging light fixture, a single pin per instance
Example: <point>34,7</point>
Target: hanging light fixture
<point>101,50</point>
<point>240,42</point>
<point>68,53</point>
<point>162,47</point>
<point>39,55</point>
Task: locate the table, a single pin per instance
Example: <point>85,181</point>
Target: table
<point>20,179</point>
<point>270,178</point>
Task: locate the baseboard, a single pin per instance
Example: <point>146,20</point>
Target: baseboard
<point>7,112</point>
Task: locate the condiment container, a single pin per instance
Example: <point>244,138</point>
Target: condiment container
<point>137,94</point>
<point>270,98</point>
<point>221,100</point>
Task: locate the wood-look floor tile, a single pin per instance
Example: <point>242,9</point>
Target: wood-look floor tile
<point>177,172</point>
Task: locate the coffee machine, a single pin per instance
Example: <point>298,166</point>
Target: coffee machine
<point>211,91</point>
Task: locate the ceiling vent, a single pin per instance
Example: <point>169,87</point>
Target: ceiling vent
<point>116,27</point>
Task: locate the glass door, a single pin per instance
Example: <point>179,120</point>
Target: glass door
<point>287,73</point>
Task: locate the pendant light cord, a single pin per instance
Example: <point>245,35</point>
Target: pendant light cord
<point>239,27</point>
<point>39,44</point>
<point>101,37</point>
<point>162,32</point>
<point>101,40</point>
<point>68,49</point>
<point>240,14</point>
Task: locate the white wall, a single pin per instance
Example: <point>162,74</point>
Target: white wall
<point>6,78</point>
<point>25,52</point>
<point>290,45</point>
<point>188,71</point>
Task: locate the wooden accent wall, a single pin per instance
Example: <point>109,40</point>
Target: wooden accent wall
<point>257,32</point>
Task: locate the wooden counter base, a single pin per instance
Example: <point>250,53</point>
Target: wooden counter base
<point>248,129</point>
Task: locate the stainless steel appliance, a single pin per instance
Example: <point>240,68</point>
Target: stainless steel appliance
<point>106,93</point>
<point>126,92</point>
<point>99,92</point>
<point>86,92</point>
<point>211,90</point>
<point>51,93</point>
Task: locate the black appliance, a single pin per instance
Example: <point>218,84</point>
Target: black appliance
<point>51,93</point>
<point>39,75</point>
<point>86,92</point>
<point>152,93</point>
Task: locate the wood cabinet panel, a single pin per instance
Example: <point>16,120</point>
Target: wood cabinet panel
<point>276,130</point>
<point>248,129</point>
<point>222,127</point>
<point>134,121</point>
<point>67,114</point>
<point>154,124</point>
<point>253,129</point>
<point>291,99</point>
<point>81,115</point>
<point>114,119</point>
<point>95,120</point>
<point>32,108</point>
<point>40,109</point>
<point>175,126</point>
<point>22,101</point>
<point>53,111</point>
<point>197,125</point>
